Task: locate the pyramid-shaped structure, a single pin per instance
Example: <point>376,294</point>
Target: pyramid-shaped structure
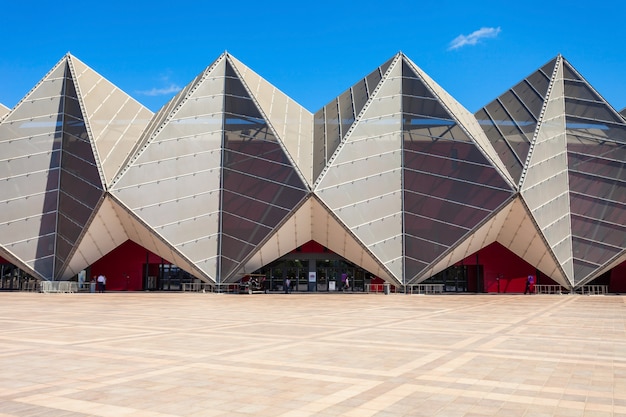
<point>53,169</point>
<point>573,182</point>
<point>213,178</point>
<point>623,112</point>
<point>510,121</point>
<point>414,175</point>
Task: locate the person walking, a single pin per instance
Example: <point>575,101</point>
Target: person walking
<point>287,285</point>
<point>529,285</point>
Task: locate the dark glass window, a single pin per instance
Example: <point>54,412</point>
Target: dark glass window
<point>332,128</point>
<point>422,250</point>
<point>359,92</point>
<point>256,211</point>
<point>596,208</point>
<point>346,113</point>
<point>243,229</point>
<point>373,79</point>
<point>530,97</point>
<point>412,267</point>
<point>599,231</point>
<point>444,211</point>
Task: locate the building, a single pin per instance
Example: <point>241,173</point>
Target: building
<point>393,181</point>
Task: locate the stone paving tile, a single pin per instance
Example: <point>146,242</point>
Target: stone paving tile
<point>184,354</point>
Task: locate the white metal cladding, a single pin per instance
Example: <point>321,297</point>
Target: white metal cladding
<point>162,175</point>
<point>545,187</point>
<point>29,150</point>
<point>292,122</point>
<point>173,184</point>
<point>116,120</point>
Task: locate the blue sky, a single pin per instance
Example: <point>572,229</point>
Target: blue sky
<point>313,51</point>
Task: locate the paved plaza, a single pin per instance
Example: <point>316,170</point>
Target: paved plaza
<point>357,355</point>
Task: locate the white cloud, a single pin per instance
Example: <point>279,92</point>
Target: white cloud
<point>172,88</point>
<point>474,37</point>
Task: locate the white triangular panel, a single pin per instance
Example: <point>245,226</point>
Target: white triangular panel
<point>520,235</point>
<point>291,122</point>
<point>29,137</point>
<point>545,186</point>
<point>174,182</point>
<point>149,240</point>
<point>328,232</point>
<point>362,186</point>
<point>295,232</point>
<point>116,120</point>
<point>466,120</point>
<point>104,234</point>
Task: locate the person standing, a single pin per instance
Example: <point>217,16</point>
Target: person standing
<point>102,282</point>
<point>287,284</point>
<point>529,285</point>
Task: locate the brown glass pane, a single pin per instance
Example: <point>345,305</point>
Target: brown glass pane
<point>256,211</point>
<point>83,169</point>
<point>48,223</point>
<point>444,211</point>
<point>373,79</point>
<point>540,82</point>
<point>68,229</point>
<point>83,191</point>
<point>471,194</point>
<point>597,208</point>
<point>346,113</point>
<point>597,166</point>
<point>227,267</point>
<point>243,229</point>
<point>568,72</point>
<point>598,231</point>
<point>604,188</point>
<point>267,191</point>
<point>385,66</point>
<point>590,110</point>
<point>333,136</point>
<point>582,269</point>
<point>360,96</point>
<point>234,249</point>
<point>580,90</point>
<point>548,68</point>
<point>531,99</point>
<point>593,252</point>
<point>422,250</point>
<point>412,267</point>
<point>506,154</point>
<point>412,84</point>
<point>73,208</point>
<point>432,230</point>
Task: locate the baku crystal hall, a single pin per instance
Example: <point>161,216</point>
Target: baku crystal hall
<point>393,183</point>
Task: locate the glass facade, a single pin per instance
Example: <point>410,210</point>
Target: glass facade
<point>394,176</point>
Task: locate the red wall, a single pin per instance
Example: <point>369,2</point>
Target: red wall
<point>498,260</point>
<point>618,278</point>
<point>127,260</point>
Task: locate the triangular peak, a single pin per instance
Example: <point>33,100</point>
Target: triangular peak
<point>333,121</point>
<point>455,112</point>
<point>113,119</point>
<point>510,121</point>
<point>291,123</point>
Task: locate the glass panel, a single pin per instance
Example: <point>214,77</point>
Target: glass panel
<point>412,85</point>
<point>79,147</point>
<point>581,90</point>
<point>568,72</point>
<point>513,165</point>
<point>413,267</point>
<point>446,188</point>
<point>68,229</point>
<point>73,208</point>
<point>582,269</point>
<point>598,231</point>
<point>359,93</point>
<point>579,129</point>
<point>254,210</point>
<point>81,168</point>
<point>87,193</point>
<point>243,229</point>
<point>234,249</point>
<point>422,250</point>
<point>598,187</point>
<point>593,252</point>
<point>270,192</point>
<point>531,99</point>
<point>445,211</point>
<point>597,166</point>
<point>346,113</point>
<point>540,82</point>
<point>372,80</point>
<point>596,208</point>
<point>385,66</point>
<point>548,69</point>
<point>524,120</point>
<point>332,128</point>
<point>226,267</point>
<point>589,110</point>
